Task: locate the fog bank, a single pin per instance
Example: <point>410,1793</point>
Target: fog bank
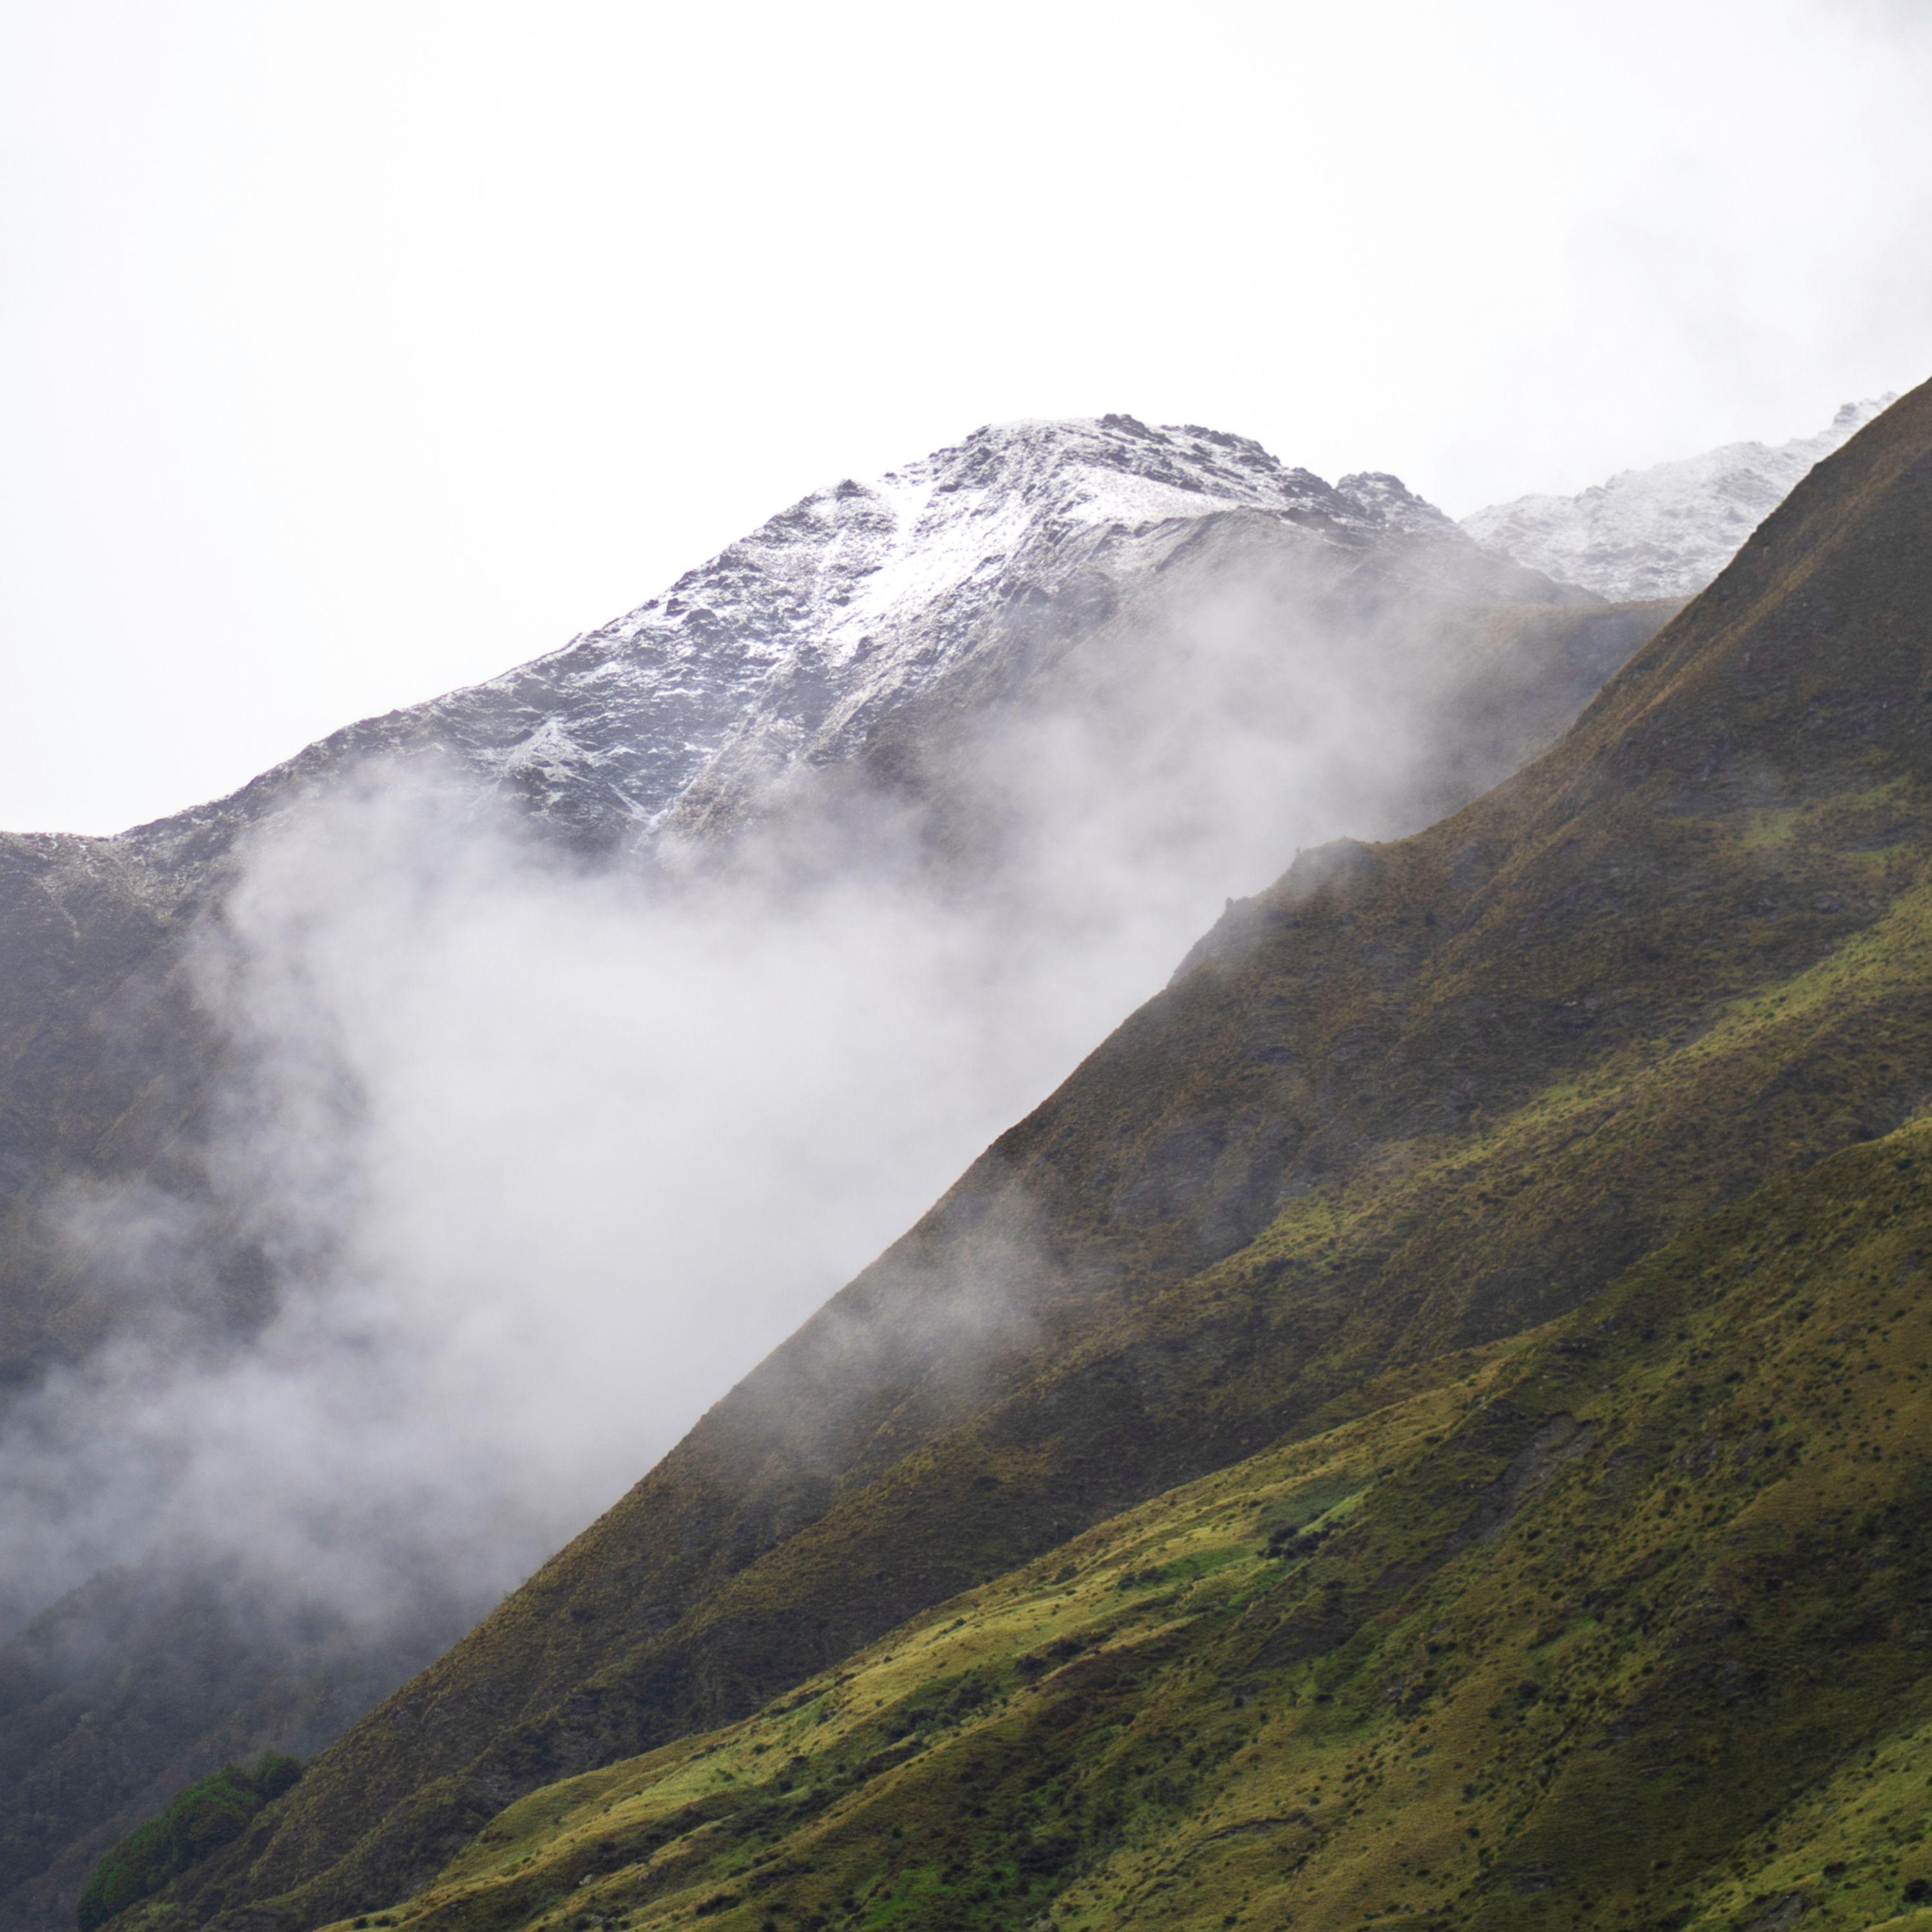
<point>542,1155</point>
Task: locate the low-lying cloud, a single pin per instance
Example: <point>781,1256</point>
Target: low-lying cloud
<point>543,1155</point>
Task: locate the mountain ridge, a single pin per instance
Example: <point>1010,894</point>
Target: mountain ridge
<point>800,634</point>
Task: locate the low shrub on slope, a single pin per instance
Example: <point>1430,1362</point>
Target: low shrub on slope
<point>208,1813</point>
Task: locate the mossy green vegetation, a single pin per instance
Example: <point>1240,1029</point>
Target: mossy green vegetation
<point>1626,1622</point>
<point>207,1814</point>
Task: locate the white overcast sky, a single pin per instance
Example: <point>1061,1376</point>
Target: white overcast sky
<point>352,352</point>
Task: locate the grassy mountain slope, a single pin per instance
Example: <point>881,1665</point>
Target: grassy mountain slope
<point>1626,1621</point>
<point>1416,1099</point>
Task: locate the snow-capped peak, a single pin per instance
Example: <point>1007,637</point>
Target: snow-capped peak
<point>791,643</point>
<point>848,558</point>
<point>1666,531</point>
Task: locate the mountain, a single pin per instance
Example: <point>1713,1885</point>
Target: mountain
<point>908,640</point>
<point>866,628</point>
<point>1362,1444</point>
<point>792,647</point>
<point>1666,531</point>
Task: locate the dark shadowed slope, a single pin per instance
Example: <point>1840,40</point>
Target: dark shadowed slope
<point>1416,1097</point>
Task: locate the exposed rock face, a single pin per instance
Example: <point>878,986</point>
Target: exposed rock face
<point>794,645</point>
<point>1666,531</point>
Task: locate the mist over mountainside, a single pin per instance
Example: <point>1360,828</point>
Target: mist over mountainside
<point>1458,1212</point>
<point>1667,530</point>
<point>401,1153</point>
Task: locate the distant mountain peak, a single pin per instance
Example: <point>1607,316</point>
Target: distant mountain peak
<point>1667,530</point>
<point>1388,500</point>
<point>1112,469</point>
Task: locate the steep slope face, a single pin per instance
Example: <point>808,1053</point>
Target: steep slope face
<point>897,637</point>
<point>1624,1623</point>
<point>1666,531</point>
<point>1414,1098</point>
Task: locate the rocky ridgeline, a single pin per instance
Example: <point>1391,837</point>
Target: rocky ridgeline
<point>793,644</point>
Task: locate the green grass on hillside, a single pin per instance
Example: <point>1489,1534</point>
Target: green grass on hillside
<point>1294,1334</point>
<point>1625,1624</point>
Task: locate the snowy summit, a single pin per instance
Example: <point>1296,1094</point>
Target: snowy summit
<point>1666,531</point>
<point>789,647</point>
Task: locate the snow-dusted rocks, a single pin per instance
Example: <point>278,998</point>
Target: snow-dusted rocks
<point>1666,531</point>
<point>792,645</point>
